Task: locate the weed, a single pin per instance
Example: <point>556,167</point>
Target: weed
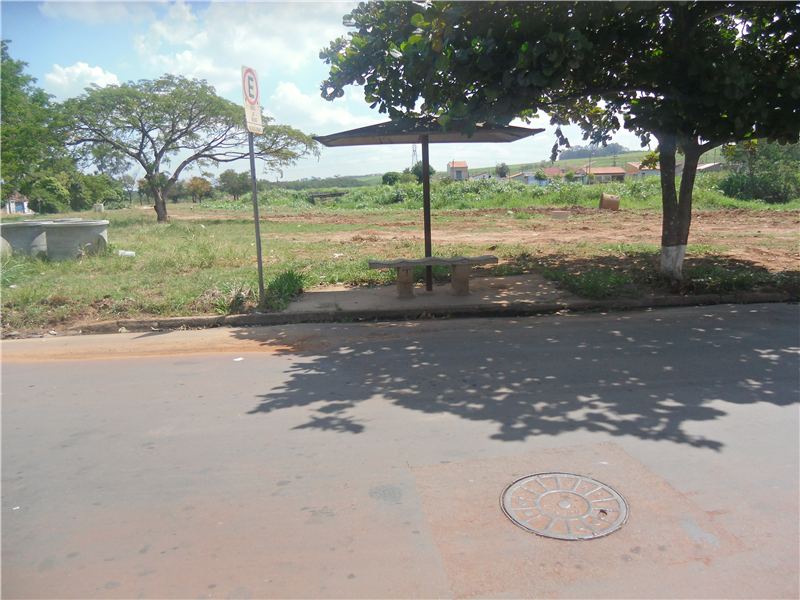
<point>282,289</point>
<point>10,270</point>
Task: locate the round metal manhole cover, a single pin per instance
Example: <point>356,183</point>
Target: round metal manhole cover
<point>564,506</point>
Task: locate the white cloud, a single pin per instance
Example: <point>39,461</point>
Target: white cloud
<point>289,105</point>
<point>95,13</point>
<point>65,82</point>
<point>213,42</point>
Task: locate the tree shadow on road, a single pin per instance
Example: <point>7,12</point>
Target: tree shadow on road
<point>547,375</point>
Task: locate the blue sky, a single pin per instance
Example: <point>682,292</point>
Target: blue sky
<point>70,45</point>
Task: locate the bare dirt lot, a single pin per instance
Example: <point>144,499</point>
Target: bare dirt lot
<point>768,239</point>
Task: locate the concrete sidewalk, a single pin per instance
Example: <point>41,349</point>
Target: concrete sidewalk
<point>487,292</point>
<point>518,295</point>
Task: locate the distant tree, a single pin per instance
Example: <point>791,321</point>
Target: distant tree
<point>540,175</point>
<point>198,188</point>
<point>390,178</point>
<point>235,184</point>
<point>693,75</point>
<point>416,171</point>
<point>143,187</point>
<point>101,189</point>
<point>129,185</point>
<point>569,175</point>
<point>502,170</point>
<point>153,121</point>
<point>592,150</point>
<point>31,131</point>
<point>175,192</point>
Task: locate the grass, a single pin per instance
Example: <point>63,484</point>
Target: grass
<point>204,261</point>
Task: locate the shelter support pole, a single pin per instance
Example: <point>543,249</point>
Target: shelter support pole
<point>426,209</point>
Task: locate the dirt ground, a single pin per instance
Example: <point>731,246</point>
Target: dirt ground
<point>768,239</point>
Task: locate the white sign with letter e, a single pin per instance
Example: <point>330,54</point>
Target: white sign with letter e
<point>252,105</point>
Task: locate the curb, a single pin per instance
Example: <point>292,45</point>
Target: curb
<point>515,309</point>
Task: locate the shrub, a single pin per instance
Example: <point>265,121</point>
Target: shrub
<point>776,187</point>
<point>50,196</point>
<point>391,178</point>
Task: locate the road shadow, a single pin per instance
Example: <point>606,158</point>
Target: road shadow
<point>653,375</point>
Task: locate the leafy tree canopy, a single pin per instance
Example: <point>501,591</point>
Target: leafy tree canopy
<point>199,188</point>
<point>502,170</point>
<point>156,122</point>
<point>416,171</point>
<point>390,178</point>
<point>693,74</point>
<point>31,132</point>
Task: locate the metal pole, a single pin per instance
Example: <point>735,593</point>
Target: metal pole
<point>258,225</point>
<point>426,209</point>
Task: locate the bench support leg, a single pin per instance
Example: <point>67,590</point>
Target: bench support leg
<point>459,280</point>
<point>405,282</point>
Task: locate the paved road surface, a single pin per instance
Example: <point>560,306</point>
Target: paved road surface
<point>364,461</point>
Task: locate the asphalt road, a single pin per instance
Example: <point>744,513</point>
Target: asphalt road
<point>364,461</point>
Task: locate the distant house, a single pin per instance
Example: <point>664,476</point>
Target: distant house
<point>553,172</point>
<point>634,170</point>
<point>17,204</point>
<point>484,175</point>
<point>458,170</point>
<point>529,177</point>
<point>605,174</point>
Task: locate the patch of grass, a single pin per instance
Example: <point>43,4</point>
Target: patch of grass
<point>11,269</point>
<point>715,279</point>
<point>595,284</point>
<point>281,290</point>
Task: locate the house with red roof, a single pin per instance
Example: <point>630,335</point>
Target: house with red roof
<point>458,170</point>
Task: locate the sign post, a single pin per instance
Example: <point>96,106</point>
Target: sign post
<point>252,113</point>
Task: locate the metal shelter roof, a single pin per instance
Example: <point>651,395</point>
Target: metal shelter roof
<point>408,131</point>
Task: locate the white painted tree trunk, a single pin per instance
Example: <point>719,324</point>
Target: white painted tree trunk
<point>672,261</point>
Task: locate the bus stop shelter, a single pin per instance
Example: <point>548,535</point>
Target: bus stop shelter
<point>426,130</point>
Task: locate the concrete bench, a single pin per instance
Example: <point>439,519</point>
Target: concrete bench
<point>459,277</point>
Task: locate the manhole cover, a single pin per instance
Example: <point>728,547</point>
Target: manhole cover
<point>564,506</point>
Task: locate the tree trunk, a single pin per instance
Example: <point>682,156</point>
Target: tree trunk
<point>160,205</point>
<point>676,206</point>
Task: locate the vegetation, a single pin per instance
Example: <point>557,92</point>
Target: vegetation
<point>205,265</point>
<point>316,183</point>
<point>31,136</point>
<point>763,171</point>
<point>591,151</point>
<point>151,121</point>
<point>235,184</point>
<point>694,75</point>
<point>391,178</point>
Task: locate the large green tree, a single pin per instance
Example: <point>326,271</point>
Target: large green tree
<point>176,120</point>
<point>694,75</point>
<point>31,131</point>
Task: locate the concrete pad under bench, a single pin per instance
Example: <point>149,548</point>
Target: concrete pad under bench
<point>459,271</point>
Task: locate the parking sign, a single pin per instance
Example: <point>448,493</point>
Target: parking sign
<point>252,105</point>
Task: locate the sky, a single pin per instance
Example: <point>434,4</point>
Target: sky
<point>71,45</point>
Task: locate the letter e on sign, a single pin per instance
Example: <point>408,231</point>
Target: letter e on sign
<point>252,105</point>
